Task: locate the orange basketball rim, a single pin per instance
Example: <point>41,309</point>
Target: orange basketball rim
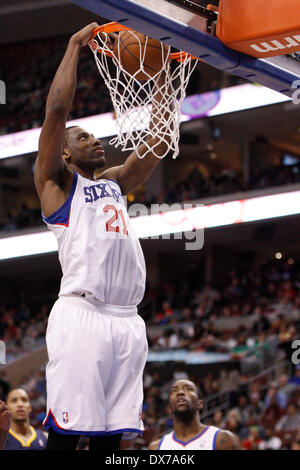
<point>114,27</point>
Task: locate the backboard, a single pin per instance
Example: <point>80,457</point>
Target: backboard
<point>190,27</point>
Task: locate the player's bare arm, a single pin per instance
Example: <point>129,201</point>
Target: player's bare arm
<point>153,445</point>
<point>226,440</point>
<point>51,175</point>
<point>135,171</point>
<point>4,423</point>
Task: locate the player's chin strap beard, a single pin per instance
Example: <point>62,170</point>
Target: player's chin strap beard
<point>185,416</point>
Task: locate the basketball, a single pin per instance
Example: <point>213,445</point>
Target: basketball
<point>131,50</point>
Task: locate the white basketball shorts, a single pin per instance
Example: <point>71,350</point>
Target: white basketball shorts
<point>94,375</point>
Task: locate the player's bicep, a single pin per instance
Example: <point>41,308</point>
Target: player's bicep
<point>227,441</point>
<point>50,160</point>
<point>135,171</point>
<point>111,173</point>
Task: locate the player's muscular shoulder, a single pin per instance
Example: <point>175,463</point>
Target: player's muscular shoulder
<point>53,192</point>
<point>226,440</point>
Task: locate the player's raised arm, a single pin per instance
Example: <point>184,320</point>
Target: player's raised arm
<point>50,162</point>
<point>226,440</point>
<point>135,171</point>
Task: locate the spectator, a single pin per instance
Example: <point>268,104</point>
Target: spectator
<point>272,413</point>
<point>180,373</point>
<point>242,410</point>
<point>270,441</point>
<point>290,421</point>
<point>253,440</point>
<point>218,419</point>
<point>256,406</point>
<point>169,340</point>
<point>262,324</point>
<point>286,388</point>
<point>232,423</point>
<point>280,397</point>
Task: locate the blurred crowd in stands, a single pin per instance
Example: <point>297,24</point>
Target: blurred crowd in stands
<point>255,311</point>
<point>264,415</point>
<point>201,185</point>
<point>24,218</point>
<point>197,185</point>
<point>23,323</point>
<point>28,82</point>
<point>255,303</point>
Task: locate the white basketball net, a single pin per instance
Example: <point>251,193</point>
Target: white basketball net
<point>136,103</point>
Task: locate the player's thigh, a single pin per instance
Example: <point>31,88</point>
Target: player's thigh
<point>129,342</point>
<point>79,340</point>
<point>125,386</point>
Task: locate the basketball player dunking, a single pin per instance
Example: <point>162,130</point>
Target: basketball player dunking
<point>189,433</point>
<point>96,341</point>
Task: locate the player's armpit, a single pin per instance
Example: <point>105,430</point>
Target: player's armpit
<point>227,441</point>
<point>153,445</point>
<point>111,173</point>
<point>135,171</point>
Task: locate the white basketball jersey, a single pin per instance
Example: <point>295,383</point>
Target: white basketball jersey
<point>206,440</point>
<point>99,252</point>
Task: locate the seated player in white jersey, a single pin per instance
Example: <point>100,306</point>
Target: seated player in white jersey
<point>189,433</point>
<point>96,341</point>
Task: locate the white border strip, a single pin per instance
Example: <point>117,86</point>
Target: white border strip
<point>185,220</point>
<point>229,100</point>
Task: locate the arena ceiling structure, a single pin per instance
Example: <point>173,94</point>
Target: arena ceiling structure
<point>24,20</point>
